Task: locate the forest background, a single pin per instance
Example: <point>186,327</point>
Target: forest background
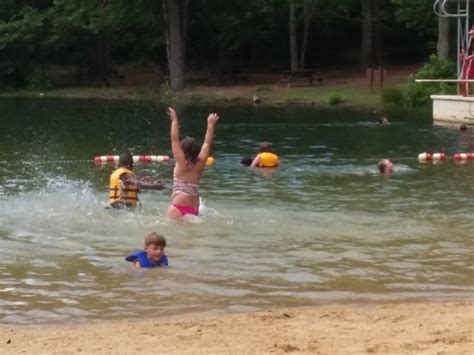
<point>46,44</point>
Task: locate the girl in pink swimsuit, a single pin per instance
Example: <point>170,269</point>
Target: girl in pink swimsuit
<point>190,158</point>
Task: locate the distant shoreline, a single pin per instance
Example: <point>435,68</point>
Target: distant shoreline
<point>420,327</point>
<point>351,91</point>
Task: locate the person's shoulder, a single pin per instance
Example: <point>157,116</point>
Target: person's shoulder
<point>163,261</point>
<point>134,256</point>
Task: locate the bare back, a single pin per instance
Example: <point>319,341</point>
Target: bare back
<point>187,174</point>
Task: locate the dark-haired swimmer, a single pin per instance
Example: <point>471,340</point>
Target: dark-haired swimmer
<point>383,121</point>
<point>266,158</point>
<point>124,185</point>
<point>385,167</point>
<point>246,161</point>
<point>190,157</point>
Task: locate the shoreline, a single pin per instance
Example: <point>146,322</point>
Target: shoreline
<point>338,90</point>
<point>398,327</point>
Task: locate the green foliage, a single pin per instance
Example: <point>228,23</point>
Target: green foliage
<point>418,94</point>
<point>40,33</point>
<point>393,96</point>
<point>335,99</point>
<point>22,45</point>
<point>437,69</point>
<point>39,81</point>
<point>165,93</point>
<point>416,14</point>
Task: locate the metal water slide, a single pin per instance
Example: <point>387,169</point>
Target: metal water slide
<point>458,9</point>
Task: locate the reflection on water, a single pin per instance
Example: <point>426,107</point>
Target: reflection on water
<point>324,227</point>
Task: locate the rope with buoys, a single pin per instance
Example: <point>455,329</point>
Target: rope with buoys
<point>114,159</point>
<point>144,159</point>
<point>426,157</point>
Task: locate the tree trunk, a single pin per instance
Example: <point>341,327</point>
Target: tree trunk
<point>102,61</point>
<point>308,12</point>
<point>174,42</point>
<point>443,38</point>
<point>293,43</point>
<point>366,34</point>
<point>378,12</point>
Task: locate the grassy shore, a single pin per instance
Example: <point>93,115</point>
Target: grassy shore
<point>350,90</point>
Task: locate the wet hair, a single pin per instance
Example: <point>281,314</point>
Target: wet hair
<point>265,147</point>
<point>247,161</point>
<point>126,159</point>
<point>382,165</point>
<point>155,239</point>
<point>383,120</point>
<point>463,127</point>
<point>191,149</point>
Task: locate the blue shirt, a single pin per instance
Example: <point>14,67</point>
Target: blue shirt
<point>144,262</point>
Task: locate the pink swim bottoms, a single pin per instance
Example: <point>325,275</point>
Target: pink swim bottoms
<point>184,210</point>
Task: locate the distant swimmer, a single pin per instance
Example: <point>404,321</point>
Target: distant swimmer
<point>266,158</point>
<point>246,161</point>
<point>190,158</point>
<point>385,166</point>
<point>124,185</point>
<point>383,121</point>
<point>153,254</point>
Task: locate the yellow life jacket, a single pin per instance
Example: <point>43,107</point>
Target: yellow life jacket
<point>268,160</point>
<point>121,194</point>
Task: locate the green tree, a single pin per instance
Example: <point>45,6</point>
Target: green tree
<point>419,16</point>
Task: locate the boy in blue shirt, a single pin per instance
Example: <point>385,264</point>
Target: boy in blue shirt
<point>153,254</point>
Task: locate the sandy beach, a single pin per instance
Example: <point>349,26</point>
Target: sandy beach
<point>401,328</point>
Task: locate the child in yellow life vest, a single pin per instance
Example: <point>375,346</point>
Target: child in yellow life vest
<point>125,186</point>
<point>266,158</point>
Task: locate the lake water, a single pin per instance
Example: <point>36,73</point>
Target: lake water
<point>324,227</point>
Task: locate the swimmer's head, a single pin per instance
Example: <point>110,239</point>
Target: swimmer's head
<point>126,160</point>
<point>383,121</point>
<point>265,147</point>
<point>385,166</point>
<point>191,149</point>
<point>246,161</point>
<point>463,127</point>
<point>155,245</point>
<point>155,239</point>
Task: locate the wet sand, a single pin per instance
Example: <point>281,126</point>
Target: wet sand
<point>401,328</point>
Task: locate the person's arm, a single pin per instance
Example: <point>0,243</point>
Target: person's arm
<point>206,146</point>
<point>128,179</point>
<point>155,185</point>
<point>178,153</point>
<point>255,162</point>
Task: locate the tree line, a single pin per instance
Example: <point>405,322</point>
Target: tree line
<point>95,36</point>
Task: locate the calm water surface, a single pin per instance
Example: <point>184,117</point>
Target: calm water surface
<point>325,227</point>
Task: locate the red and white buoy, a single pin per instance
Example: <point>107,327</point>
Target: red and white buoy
<point>424,157</point>
<point>150,158</point>
<point>463,156</point>
<point>104,159</point>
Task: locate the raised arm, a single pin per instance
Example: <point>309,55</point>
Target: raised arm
<point>255,162</point>
<point>206,146</point>
<point>175,142</point>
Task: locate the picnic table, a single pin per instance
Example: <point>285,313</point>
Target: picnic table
<point>288,76</point>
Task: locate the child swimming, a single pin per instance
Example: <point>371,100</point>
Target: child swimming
<point>153,254</point>
<point>124,185</point>
<point>266,158</point>
<point>385,166</point>
<point>190,158</point>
